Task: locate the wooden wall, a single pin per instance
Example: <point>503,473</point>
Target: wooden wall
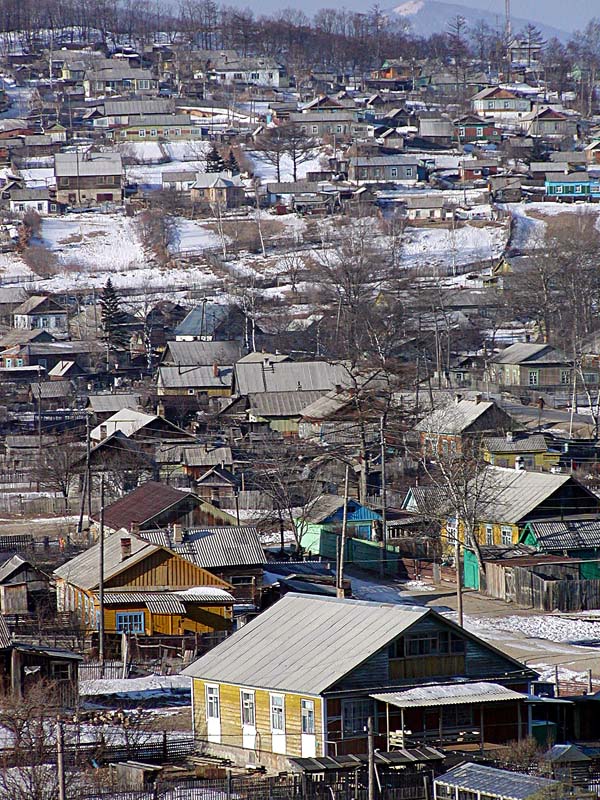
<point>162,570</point>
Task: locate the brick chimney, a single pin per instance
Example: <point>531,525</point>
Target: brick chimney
<point>215,370</point>
<point>125,548</point>
<point>177,534</point>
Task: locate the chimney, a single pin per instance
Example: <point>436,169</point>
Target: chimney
<point>178,534</point>
<point>125,548</point>
<point>338,388</point>
<point>215,370</point>
<point>160,409</point>
<point>509,436</point>
<point>457,398</point>
<point>478,399</point>
<point>103,432</point>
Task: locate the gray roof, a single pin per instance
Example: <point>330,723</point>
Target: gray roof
<point>305,644</point>
<point>294,187</point>
<point>206,456</point>
<point>383,161</point>
<point>202,354</point>
<point>146,120</point>
<point>133,107</point>
<point>83,570</point>
<point>207,180</point>
<point>323,507</point>
<point>203,319</point>
<point>110,403</point>
<point>165,602</point>
<point>194,377</point>
<point>280,404</point>
<point>11,566</point>
<point>51,389</point>
<point>509,495</point>
<point>495,782</point>
<point>529,353</point>
<point>214,547</point>
<point>455,417</point>
<point>289,376</point>
<point>572,177</point>
<point>29,195</point>
<point>567,534</point>
<point>178,176</point>
<point>449,695</point>
<point>424,201</point>
<point>525,444</point>
<point>87,164</point>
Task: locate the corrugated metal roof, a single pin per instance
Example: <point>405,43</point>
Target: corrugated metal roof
<point>508,495</point>
<point>51,389</point>
<point>142,505</point>
<point>206,594</point>
<point>567,534</point>
<point>168,604</point>
<point>202,354</point>
<point>495,782</point>
<point>222,547</point>
<point>280,404</point>
<point>449,695</point>
<point>305,644</point>
<point>82,164</point>
<point>526,444</point>
<point>203,319</point>
<point>289,376</point>
<point>326,405</point>
<point>207,456</point>
<point>11,566</point>
<point>194,377</point>
<point>126,420</point>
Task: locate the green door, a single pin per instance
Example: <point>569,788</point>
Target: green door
<point>470,570</point>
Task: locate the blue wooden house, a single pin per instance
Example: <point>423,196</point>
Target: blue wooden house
<point>319,532</point>
<point>572,186</point>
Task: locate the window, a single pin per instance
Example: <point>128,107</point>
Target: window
<point>307,708</point>
<point>237,76</point>
<point>558,190</point>
<point>489,534</point>
<point>490,103</point>
<point>8,362</point>
<point>277,713</point>
<point>177,131</point>
<point>479,131</point>
<point>409,172</point>
<point>461,131</point>
<point>565,377</point>
<point>506,104</point>
<point>534,377</point>
<point>394,172</point>
<point>60,671</point>
<point>578,189</point>
<point>142,133</point>
<point>254,76</point>
<point>427,644</point>
<point>212,702</point>
<point>248,713</point>
<point>191,391</point>
<point>19,362</point>
<point>590,377</point>
<point>315,128</point>
<point>338,128</point>
<point>130,622</point>
<point>457,716</point>
<point>506,535</point>
<point>153,132</point>
<point>355,714</point>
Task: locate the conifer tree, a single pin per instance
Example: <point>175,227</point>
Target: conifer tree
<point>231,164</point>
<point>114,333</point>
<point>214,160</point>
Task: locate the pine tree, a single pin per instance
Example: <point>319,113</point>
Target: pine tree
<point>214,161</point>
<point>231,164</point>
<point>114,333</point>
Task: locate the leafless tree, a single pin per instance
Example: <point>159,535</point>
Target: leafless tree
<point>57,465</point>
<point>298,146</point>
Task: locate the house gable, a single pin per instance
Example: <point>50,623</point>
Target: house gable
<point>163,569</point>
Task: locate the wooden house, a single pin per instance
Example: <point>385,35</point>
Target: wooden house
<point>477,169</point>
<point>302,679</point>
<point>149,589</point>
<point>148,429</point>
<point>451,428</point>
<point>22,587</point>
<point>152,505</point>
<point>538,367</point>
<point>496,101</point>
<point>578,537</point>
<point>521,450</point>
<point>213,381</point>
<point>472,128</point>
<point>40,311</point>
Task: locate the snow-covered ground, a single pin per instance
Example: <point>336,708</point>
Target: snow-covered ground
<point>136,687</point>
<point>268,172</point>
<point>427,247</point>
<point>195,236</point>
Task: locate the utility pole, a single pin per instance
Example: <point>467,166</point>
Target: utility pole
<point>340,572</point>
<point>60,760</point>
<point>88,466</point>
<point>40,418</point>
<point>459,597</point>
<point>371,741</point>
<point>383,550</point>
<point>101,582</point>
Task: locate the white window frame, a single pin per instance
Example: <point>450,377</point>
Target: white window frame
<point>277,713</point>
<point>247,705</point>
<point>409,172</point>
<point>489,534</point>
<point>394,172</point>
<point>533,379</point>
<point>506,535</point>
<point>142,133</point>
<point>565,377</point>
<point>307,714</point>
<point>213,701</point>
<point>153,132</point>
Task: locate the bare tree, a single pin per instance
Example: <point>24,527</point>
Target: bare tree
<point>57,466</point>
<point>272,146</point>
<point>299,147</point>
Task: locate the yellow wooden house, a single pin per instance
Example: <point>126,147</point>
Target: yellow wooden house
<point>506,499</point>
<point>297,681</point>
<point>149,589</point>
<point>527,452</point>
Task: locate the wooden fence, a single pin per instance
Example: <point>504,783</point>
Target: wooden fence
<point>549,593</point>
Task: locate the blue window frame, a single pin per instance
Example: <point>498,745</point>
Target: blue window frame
<point>130,622</point>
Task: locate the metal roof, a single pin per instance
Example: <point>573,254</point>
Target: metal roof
<point>280,404</point>
<point>143,504</point>
<point>449,695</point>
<point>11,566</point>
<point>133,107</point>
<point>126,420</point>
<point>51,389</point>
<point>524,444</point>
<point>206,456</point>
<point>416,755</point>
<point>494,782</point>
<point>567,535</point>
<point>203,319</point>
<point>202,354</point>
<point>304,643</point>
<point>289,376</point>
<point>214,547</point>
<point>194,377</point>
<point>166,602</point>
